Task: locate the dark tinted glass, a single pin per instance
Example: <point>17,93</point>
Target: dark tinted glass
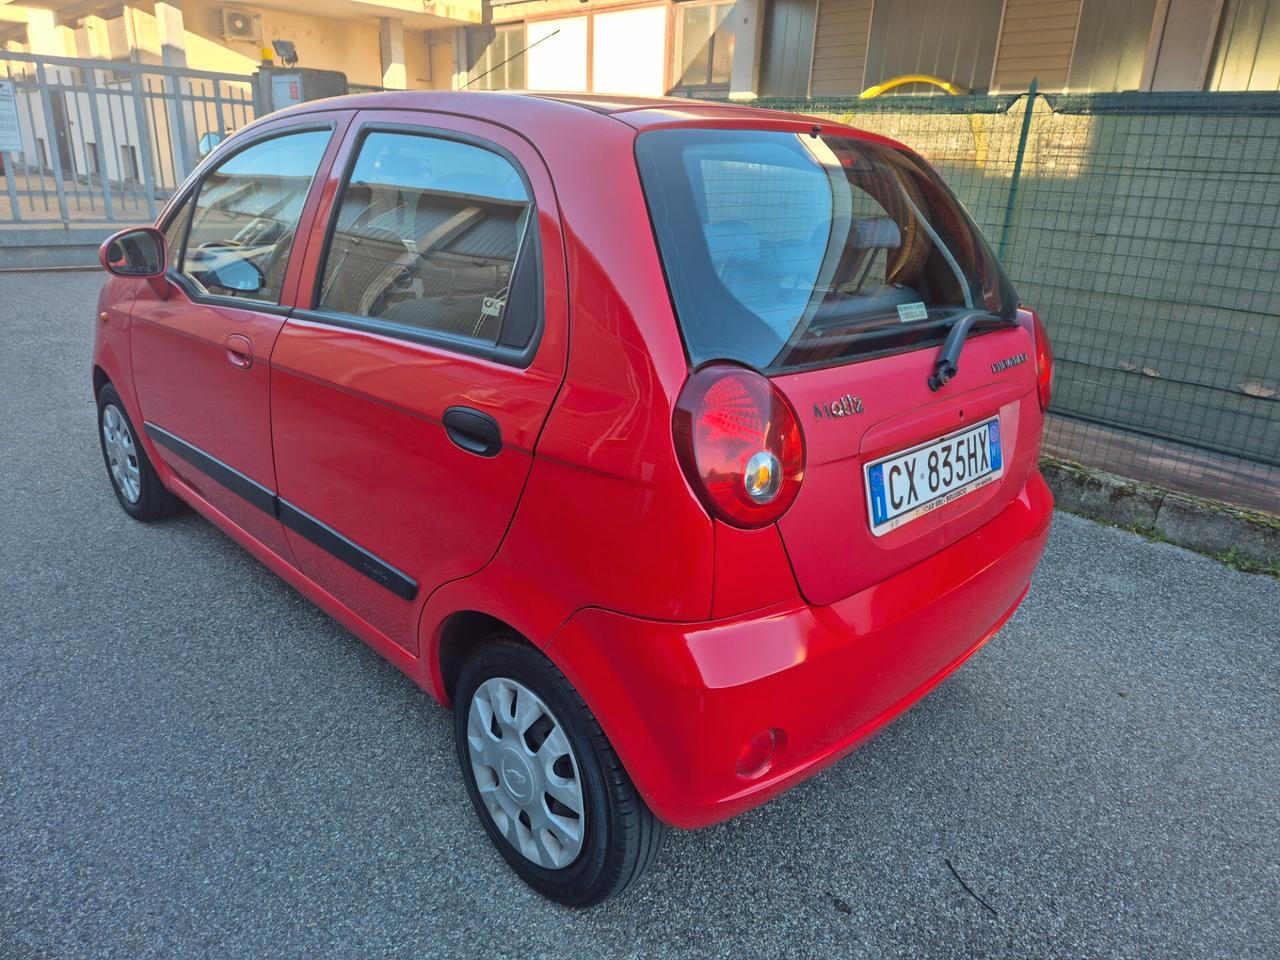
<point>785,250</point>
<point>246,214</point>
<point>427,236</point>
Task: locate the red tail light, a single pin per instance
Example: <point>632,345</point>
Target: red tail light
<point>740,445</point>
<point>1044,358</point>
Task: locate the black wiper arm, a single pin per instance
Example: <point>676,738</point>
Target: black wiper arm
<point>947,364</point>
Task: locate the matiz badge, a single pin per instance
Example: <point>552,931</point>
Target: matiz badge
<point>1008,362</point>
<point>846,406</point>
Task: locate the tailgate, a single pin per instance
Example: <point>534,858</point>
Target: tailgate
<point>862,413</point>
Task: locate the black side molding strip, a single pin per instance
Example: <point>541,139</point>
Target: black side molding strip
<point>300,522</point>
<point>352,554</point>
<point>235,481</point>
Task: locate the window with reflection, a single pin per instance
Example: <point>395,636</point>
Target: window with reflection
<point>427,236</point>
<point>246,214</point>
<point>704,45</point>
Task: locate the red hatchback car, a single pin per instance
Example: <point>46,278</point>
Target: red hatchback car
<point>678,446</point>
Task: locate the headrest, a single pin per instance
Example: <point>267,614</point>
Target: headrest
<point>869,233</point>
<point>879,232</point>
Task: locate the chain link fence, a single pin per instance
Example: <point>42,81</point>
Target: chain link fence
<point>1145,229</point>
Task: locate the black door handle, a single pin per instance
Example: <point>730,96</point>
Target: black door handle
<point>473,431</point>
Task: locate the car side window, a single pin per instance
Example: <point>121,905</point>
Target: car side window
<point>245,214</point>
<point>430,235</point>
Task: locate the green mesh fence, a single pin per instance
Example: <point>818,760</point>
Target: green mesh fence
<point>1145,229</point>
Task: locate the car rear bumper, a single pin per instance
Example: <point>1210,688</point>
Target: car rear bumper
<point>680,701</point>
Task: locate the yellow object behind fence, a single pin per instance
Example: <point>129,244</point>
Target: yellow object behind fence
<point>975,122</point>
<point>909,78</point>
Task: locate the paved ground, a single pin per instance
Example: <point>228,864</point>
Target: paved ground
<point>194,762</point>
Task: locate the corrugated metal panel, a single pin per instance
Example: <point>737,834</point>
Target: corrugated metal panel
<point>840,49</point>
<point>1036,42</point>
<point>951,39</point>
<point>1247,54</point>
<point>1112,46</point>
<point>788,48</point>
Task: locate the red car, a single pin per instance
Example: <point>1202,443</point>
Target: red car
<point>678,446</point>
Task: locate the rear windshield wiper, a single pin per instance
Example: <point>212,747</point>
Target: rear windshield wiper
<point>947,364</point>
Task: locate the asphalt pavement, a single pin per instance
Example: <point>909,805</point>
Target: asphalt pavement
<point>196,762</point>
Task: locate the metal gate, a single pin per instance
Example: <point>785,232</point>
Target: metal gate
<point>84,142</point>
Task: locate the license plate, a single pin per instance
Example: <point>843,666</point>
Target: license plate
<point>914,482</point>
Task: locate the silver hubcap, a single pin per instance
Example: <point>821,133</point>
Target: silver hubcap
<point>526,772</point>
<point>122,455</point>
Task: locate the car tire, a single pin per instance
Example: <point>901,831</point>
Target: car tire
<point>618,836</point>
<point>133,478</point>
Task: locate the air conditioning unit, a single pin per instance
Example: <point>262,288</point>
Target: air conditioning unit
<point>240,25</point>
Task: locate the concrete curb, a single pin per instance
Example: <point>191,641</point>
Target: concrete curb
<point>1243,538</point>
<point>38,247</point>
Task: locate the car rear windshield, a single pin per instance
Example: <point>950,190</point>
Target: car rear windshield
<point>790,250</point>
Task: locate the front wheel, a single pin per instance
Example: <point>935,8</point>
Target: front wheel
<point>549,789</point>
<point>137,486</point>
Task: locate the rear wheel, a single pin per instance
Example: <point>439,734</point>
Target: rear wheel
<point>549,789</point>
<point>134,479</point>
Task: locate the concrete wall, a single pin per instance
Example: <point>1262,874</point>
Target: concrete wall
<point>350,46</point>
<point>428,59</point>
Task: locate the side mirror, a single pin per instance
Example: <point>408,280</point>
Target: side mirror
<point>138,252</point>
<point>242,276</point>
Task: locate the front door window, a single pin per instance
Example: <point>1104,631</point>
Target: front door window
<point>245,216</point>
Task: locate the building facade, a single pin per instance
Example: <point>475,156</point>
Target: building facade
<point>815,48</point>
<point>382,43</point>
<point>720,48</point>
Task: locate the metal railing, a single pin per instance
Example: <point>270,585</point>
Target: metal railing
<point>1145,228</point>
<point>105,141</point>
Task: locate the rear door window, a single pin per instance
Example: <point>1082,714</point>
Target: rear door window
<point>788,250</point>
<point>431,237</point>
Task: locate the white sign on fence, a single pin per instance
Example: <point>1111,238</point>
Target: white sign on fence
<point>10,132</point>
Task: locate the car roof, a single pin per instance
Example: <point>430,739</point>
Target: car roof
<point>524,109</point>
<point>613,104</point>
